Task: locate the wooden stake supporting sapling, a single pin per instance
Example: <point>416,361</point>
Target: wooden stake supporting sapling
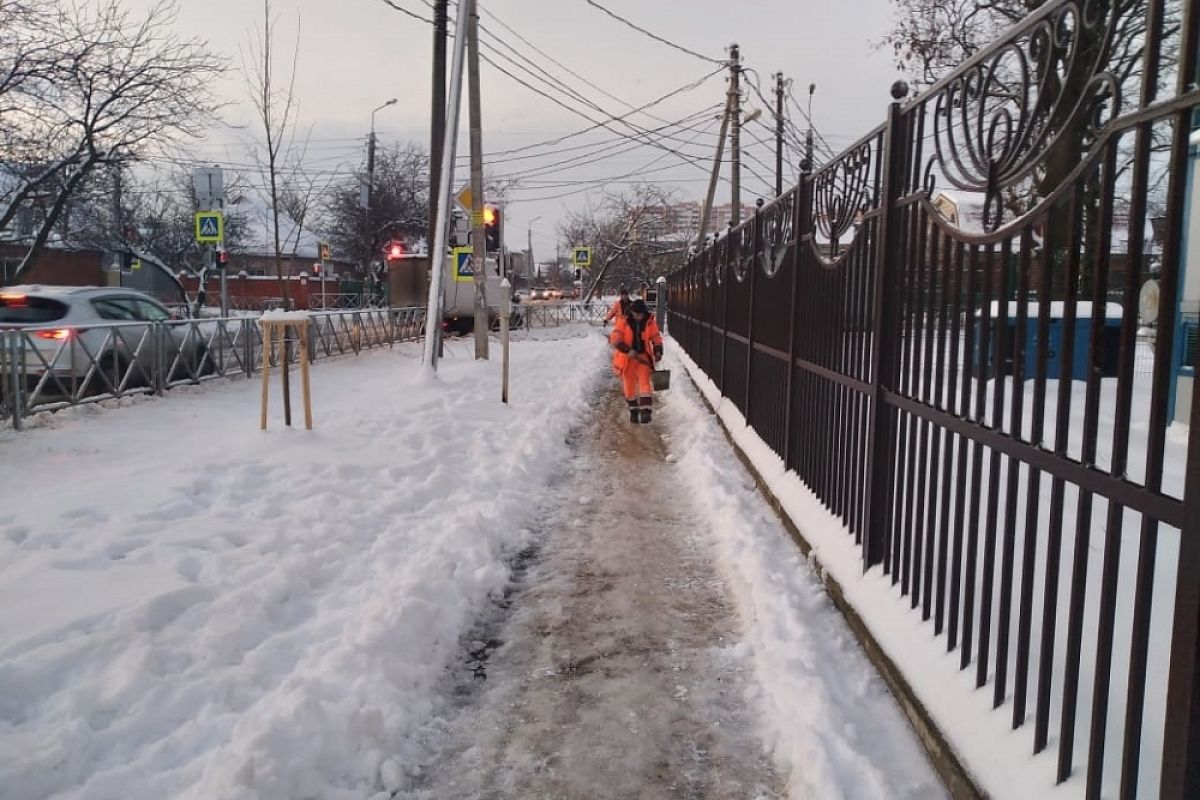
<point>275,325</point>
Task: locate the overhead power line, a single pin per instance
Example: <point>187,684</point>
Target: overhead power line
<point>654,36</point>
<point>559,139</point>
<point>587,185</point>
<point>404,10</point>
<point>559,64</point>
<point>606,142</point>
<point>607,152</point>
<point>642,136</point>
<point>556,84</point>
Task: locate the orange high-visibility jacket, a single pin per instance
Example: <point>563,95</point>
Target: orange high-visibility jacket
<point>622,333</point>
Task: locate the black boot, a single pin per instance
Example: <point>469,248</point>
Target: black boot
<point>634,416</point>
<point>644,409</point>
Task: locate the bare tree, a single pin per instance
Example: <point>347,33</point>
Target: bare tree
<point>158,219</point>
<point>276,109</point>
<point>102,87</point>
<point>30,56</point>
<point>399,201</point>
<point>629,240</point>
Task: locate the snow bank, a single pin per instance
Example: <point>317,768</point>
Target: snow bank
<point>190,608</point>
<point>830,720</point>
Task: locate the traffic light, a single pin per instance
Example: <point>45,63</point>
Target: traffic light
<point>492,223</point>
<point>222,258</point>
<point>394,251</point>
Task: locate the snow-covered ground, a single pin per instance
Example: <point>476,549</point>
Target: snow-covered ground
<point>192,608</point>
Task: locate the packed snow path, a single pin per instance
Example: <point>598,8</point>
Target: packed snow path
<point>617,675</point>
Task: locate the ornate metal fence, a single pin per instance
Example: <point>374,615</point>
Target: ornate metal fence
<point>946,372</point>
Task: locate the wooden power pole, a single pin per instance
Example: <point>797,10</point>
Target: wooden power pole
<point>478,228</point>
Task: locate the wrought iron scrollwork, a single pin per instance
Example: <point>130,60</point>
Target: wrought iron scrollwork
<point>778,232</point>
<point>845,190</point>
<point>719,255</point>
<point>995,122</point>
<point>740,242</point>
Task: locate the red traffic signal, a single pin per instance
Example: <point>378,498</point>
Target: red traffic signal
<point>394,251</point>
<point>223,258</point>
<point>492,223</point>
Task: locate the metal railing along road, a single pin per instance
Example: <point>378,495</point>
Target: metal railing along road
<point>549,315</point>
<point>49,368</point>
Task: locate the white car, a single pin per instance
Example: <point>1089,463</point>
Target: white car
<point>84,340</point>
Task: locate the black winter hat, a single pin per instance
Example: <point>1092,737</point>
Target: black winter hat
<point>638,307</point>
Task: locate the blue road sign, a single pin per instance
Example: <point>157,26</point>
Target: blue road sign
<point>464,269</point>
<point>210,227</point>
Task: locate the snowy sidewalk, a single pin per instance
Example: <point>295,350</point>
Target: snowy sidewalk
<point>192,609</point>
<point>620,673</point>
<point>667,640</point>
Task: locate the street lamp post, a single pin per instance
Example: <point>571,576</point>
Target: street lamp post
<point>529,244</point>
<point>368,232</point>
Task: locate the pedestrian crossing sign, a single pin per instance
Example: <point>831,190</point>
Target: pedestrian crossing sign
<point>210,227</point>
<point>464,270</point>
<point>581,256</point>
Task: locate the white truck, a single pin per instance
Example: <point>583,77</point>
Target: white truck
<point>458,296</point>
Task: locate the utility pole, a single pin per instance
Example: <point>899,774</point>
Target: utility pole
<point>466,8</point>
<point>118,224</point>
<point>368,236</point>
<point>529,241</point>
<point>735,99</point>
<point>369,232</point>
<point>778,134</point>
<point>437,115</point>
<point>437,133</point>
<point>706,211</point>
<point>808,136</point>
<point>433,314</point>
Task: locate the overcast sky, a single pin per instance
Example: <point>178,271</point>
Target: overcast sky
<point>356,54</point>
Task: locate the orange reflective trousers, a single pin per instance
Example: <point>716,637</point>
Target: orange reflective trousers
<point>635,378</point>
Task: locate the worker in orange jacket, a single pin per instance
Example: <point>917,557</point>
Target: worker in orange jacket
<point>637,344</point>
<point>619,308</point>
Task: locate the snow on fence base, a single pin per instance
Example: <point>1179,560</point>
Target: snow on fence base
<point>942,754</point>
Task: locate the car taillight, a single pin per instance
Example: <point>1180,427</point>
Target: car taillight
<point>57,334</point>
<point>14,300</point>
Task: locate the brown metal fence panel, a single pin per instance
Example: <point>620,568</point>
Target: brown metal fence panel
<point>938,331</point>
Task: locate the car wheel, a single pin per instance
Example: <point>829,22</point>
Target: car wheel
<point>205,359</point>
